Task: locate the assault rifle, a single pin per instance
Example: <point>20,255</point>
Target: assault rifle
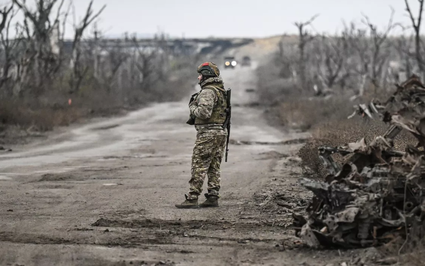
<point>227,121</point>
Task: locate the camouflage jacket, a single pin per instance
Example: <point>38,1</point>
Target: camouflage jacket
<point>209,106</point>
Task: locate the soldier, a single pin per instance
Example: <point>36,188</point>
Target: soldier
<point>208,109</point>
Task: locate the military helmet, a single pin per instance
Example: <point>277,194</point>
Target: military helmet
<point>209,69</point>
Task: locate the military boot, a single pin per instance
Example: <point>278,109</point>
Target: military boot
<point>211,201</point>
<point>189,203</point>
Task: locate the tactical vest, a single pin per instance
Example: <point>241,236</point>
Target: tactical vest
<point>218,115</point>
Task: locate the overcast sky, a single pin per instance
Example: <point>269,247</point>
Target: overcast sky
<point>237,18</point>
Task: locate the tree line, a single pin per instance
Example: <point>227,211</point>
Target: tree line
<point>362,58</point>
<point>37,60</point>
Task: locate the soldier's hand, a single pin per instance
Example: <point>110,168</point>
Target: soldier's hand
<point>191,120</point>
<point>193,98</point>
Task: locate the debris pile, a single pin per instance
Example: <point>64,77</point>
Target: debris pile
<point>378,192</point>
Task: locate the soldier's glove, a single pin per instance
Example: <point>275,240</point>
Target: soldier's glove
<point>192,98</point>
<point>191,120</point>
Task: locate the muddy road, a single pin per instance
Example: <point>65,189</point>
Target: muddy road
<point>104,193</point>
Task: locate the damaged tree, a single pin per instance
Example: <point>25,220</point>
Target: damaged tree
<point>304,39</point>
<point>42,51</point>
<point>329,61</point>
<point>8,47</point>
<point>78,70</point>
<point>380,50</point>
<point>416,24</point>
<point>377,193</point>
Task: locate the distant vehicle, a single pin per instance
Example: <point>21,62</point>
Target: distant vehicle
<point>246,61</point>
<point>229,61</point>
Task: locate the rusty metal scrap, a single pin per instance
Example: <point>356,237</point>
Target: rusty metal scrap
<point>377,192</point>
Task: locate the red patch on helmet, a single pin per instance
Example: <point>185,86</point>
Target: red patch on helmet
<point>206,64</point>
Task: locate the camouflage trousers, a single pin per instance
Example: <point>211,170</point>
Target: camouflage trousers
<point>206,160</point>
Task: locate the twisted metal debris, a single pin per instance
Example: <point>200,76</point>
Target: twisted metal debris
<point>377,193</point>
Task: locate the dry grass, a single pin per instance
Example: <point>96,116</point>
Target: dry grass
<point>51,109</point>
<point>39,119</point>
<point>305,113</point>
<point>327,121</point>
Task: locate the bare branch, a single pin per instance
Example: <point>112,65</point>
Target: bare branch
<point>5,12</point>
<point>416,24</point>
<point>304,38</point>
<point>308,22</point>
<point>79,30</point>
<point>65,19</point>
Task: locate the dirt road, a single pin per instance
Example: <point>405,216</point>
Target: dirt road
<point>104,193</point>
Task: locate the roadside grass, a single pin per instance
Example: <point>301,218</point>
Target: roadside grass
<point>57,107</point>
<point>326,118</point>
<point>305,113</point>
<point>41,118</point>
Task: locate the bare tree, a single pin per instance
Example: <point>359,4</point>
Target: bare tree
<point>145,64</point>
<point>402,45</point>
<point>42,50</point>
<point>416,24</point>
<point>370,53</point>
<point>38,61</point>
<point>115,56</point>
<point>288,60</point>
<point>4,14</point>
<point>304,39</point>
<point>380,49</point>
<point>8,46</point>
<point>329,60</point>
<point>358,63</point>
<point>78,70</point>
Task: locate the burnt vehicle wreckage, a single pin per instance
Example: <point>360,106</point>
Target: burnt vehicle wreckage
<point>376,194</point>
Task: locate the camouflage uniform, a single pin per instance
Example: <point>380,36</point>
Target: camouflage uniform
<point>209,109</point>
<point>208,112</point>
